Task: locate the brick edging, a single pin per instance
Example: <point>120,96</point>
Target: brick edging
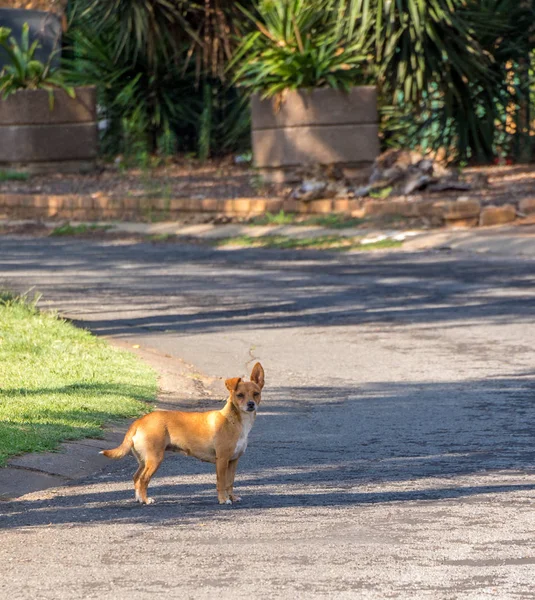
<point>86,207</point>
<point>103,207</point>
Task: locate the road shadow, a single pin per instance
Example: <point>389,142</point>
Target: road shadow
<point>189,289</point>
<point>322,447</point>
<point>119,507</point>
<point>314,446</point>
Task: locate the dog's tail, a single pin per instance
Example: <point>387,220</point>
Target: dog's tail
<point>122,450</point>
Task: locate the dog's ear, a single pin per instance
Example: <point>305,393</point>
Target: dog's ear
<point>232,384</point>
<point>257,375</point>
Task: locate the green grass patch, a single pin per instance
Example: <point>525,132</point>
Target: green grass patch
<point>82,229</point>
<point>331,221</point>
<point>280,218</point>
<point>161,237</point>
<point>60,382</point>
<point>13,176</point>
<point>381,194</point>
<point>324,242</point>
<point>334,221</point>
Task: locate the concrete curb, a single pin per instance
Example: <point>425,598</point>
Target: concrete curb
<point>41,470</point>
<point>505,241</point>
<point>509,240</point>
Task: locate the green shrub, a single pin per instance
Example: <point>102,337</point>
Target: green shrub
<point>304,44</point>
<point>448,72</point>
<point>24,71</point>
<point>452,74</point>
<point>158,69</point>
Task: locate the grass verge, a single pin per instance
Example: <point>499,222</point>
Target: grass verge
<point>60,382</point>
<point>13,176</point>
<point>331,221</point>
<point>324,242</point>
<point>82,229</point>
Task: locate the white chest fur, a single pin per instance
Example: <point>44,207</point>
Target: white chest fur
<point>241,444</point>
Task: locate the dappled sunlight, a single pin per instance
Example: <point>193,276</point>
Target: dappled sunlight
<point>193,499</point>
<point>191,290</point>
<point>324,447</point>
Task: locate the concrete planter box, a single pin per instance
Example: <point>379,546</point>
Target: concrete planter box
<point>37,139</point>
<point>323,126</point>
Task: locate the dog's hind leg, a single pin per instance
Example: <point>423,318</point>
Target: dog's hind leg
<point>152,463</point>
<point>137,474</point>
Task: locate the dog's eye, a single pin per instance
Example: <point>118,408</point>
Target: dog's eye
<point>240,395</point>
<point>256,394</point>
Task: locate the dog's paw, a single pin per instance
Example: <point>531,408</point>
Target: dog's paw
<point>235,498</point>
<point>227,501</point>
<point>141,501</point>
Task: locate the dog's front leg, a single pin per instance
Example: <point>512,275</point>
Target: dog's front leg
<point>231,474</point>
<point>221,466</point>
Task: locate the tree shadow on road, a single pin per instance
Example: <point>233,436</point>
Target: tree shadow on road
<point>383,443</point>
<point>316,446</point>
<point>187,290</point>
<point>192,507</point>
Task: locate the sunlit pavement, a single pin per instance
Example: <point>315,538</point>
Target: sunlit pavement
<point>393,455</point>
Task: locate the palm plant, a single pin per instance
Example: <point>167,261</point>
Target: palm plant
<point>445,71</point>
<point>140,103</point>
<point>445,61</point>
<point>419,42</point>
<point>141,27</point>
<point>443,67</point>
<point>157,28</point>
<point>304,44</point>
<point>23,70</point>
<point>162,63</point>
<point>448,71</point>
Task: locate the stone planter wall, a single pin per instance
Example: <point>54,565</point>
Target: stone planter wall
<point>318,126</point>
<point>37,139</point>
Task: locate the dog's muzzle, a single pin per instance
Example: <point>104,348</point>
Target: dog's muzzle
<point>251,406</point>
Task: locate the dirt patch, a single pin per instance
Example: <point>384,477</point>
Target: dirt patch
<point>220,179</point>
<point>34,229</point>
<point>507,184</point>
<point>220,192</point>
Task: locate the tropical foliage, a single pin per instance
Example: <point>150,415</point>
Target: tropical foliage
<point>158,28</point>
<point>449,71</point>
<point>23,71</point>
<point>175,74</point>
<point>159,68</point>
<point>304,44</point>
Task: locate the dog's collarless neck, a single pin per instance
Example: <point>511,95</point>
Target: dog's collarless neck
<point>232,411</point>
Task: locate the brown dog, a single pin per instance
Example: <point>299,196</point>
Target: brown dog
<point>216,436</point>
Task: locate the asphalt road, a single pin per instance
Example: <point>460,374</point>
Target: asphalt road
<point>393,456</point>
